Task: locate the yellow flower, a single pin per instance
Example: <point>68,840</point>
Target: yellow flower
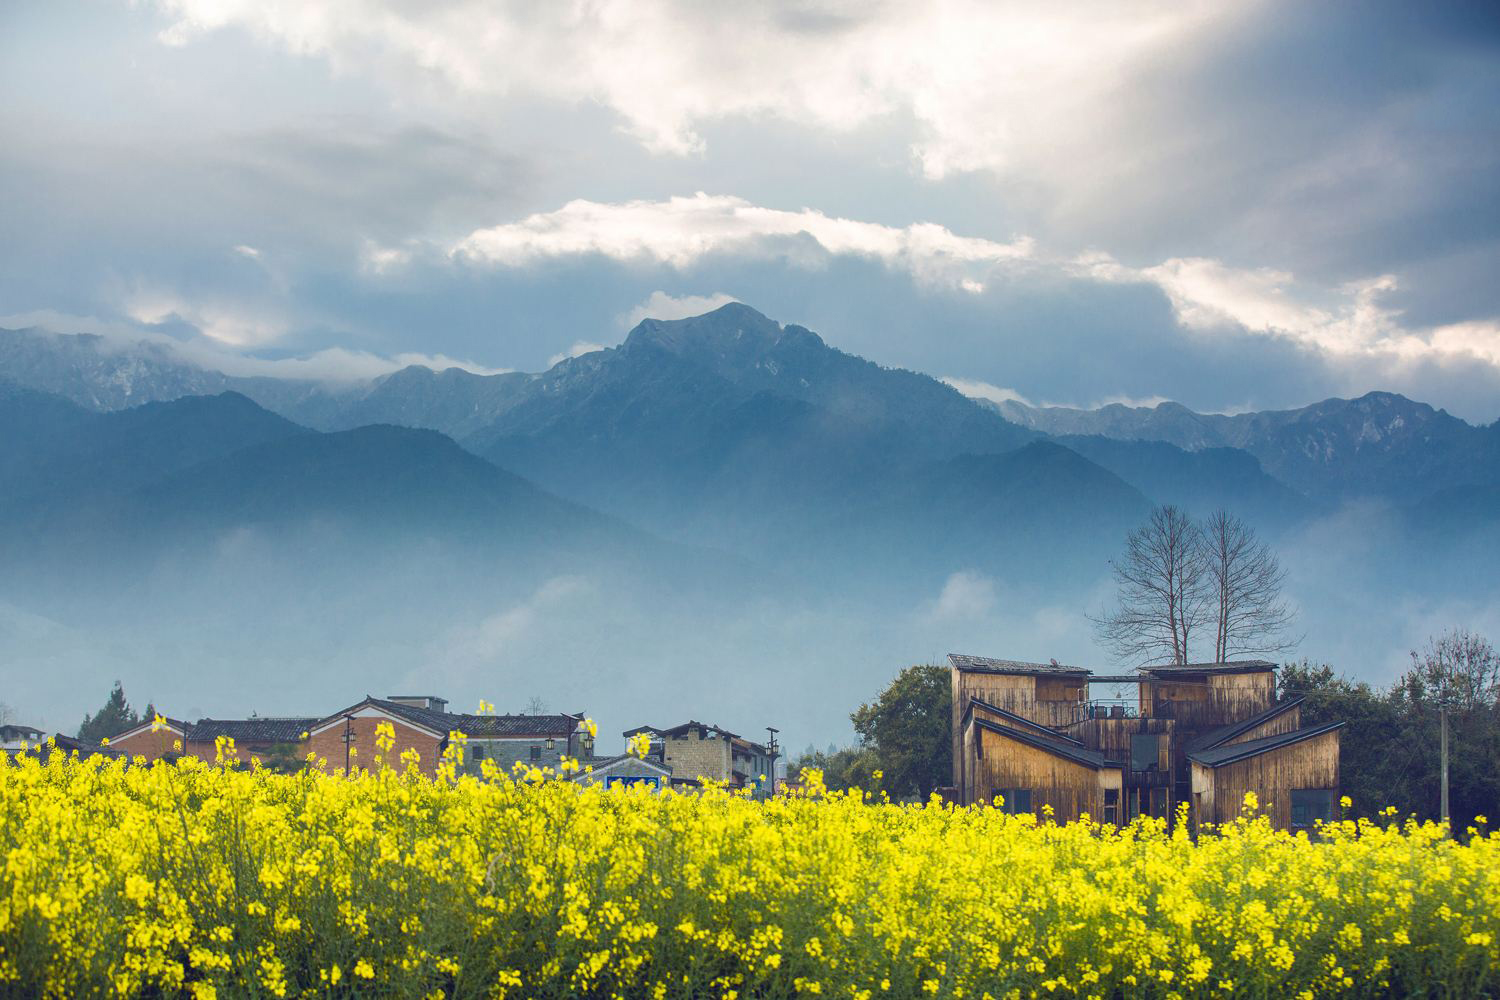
<point>364,970</point>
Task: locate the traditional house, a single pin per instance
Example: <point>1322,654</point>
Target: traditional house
<point>1198,733</point>
<point>153,740</point>
<point>16,739</point>
<point>279,742</point>
<point>346,740</point>
<point>422,724</point>
<point>626,770</point>
<point>696,750</point>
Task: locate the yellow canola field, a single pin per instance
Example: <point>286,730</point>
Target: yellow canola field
<point>201,881</point>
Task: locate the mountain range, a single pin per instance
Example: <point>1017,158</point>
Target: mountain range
<point>733,429</point>
<point>719,510</point>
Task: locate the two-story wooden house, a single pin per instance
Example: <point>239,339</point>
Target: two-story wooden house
<point>1030,735</point>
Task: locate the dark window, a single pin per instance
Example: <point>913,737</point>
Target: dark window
<point>1016,800</point>
<point>1111,805</point>
<point>479,753</point>
<point>536,753</point>
<point>1310,805</point>
<point>1144,748</point>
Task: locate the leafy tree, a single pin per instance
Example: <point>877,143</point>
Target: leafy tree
<point>1368,772</point>
<point>908,729</point>
<point>843,768</point>
<point>1460,672</point>
<point>1388,753</point>
<point>113,719</point>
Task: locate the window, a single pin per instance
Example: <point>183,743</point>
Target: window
<point>478,753</point>
<point>1310,805</point>
<point>1016,800</point>
<point>536,753</point>
<point>1144,748</point>
<point>1111,805</point>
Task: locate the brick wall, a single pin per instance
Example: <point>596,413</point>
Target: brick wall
<point>145,743</point>
<point>329,744</point>
<point>692,757</point>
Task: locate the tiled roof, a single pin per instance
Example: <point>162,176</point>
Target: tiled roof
<point>1220,756</point>
<point>1229,667</point>
<point>677,730</point>
<point>267,730</point>
<point>986,665</point>
<point>1222,735</point>
<point>481,726</point>
<point>1051,744</point>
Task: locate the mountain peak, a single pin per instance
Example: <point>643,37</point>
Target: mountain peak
<point>733,328</point>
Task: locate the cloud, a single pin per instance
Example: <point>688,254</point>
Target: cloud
<point>980,81</point>
<point>578,349</point>
<point>1348,321</point>
<point>966,595</point>
<point>983,390</point>
<point>489,640</point>
<point>214,354</point>
<point>681,231</point>
<point>663,306</point>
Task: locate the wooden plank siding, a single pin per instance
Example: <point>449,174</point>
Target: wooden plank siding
<point>1219,792</point>
<point>1203,702</point>
<point>1286,722</point>
<point>1070,788</point>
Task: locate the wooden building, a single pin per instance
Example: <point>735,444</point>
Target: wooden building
<point>1203,733</point>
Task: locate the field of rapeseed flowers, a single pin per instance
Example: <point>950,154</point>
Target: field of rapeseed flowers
<point>200,881</point>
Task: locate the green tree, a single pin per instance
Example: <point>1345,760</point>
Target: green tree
<point>843,767</point>
<point>1369,773</point>
<point>908,730</point>
<point>110,721</point>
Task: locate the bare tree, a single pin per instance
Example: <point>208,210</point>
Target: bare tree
<point>1458,672</point>
<point>1244,581</point>
<point>1163,597</point>
<point>536,706</point>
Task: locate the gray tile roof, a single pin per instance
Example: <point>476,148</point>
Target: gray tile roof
<point>676,730</point>
<point>482,726</point>
<point>267,730</point>
<point>1217,737</point>
<point>1220,756</point>
<point>1051,744</point>
<point>986,665</point>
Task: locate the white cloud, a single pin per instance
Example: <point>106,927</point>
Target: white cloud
<point>983,390</point>
<point>984,83</point>
<point>1348,321</point>
<point>245,250</point>
<point>966,595</point>
<point>663,306</point>
<point>681,231</point>
<point>578,349</point>
<point>215,354</point>
<point>234,325</point>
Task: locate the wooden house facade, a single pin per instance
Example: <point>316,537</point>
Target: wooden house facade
<point>1027,736</point>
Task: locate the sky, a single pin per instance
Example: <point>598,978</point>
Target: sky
<point>1236,205</point>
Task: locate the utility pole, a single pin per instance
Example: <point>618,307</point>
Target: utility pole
<point>1443,752</point>
<point>771,748</point>
<point>349,740</point>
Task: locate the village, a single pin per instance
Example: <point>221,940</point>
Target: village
<point>1026,738</point>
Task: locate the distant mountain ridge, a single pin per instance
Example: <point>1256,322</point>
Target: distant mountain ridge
<point>731,417</point>
<point>1379,444</point>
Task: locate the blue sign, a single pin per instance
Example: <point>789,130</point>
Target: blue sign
<point>649,781</point>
